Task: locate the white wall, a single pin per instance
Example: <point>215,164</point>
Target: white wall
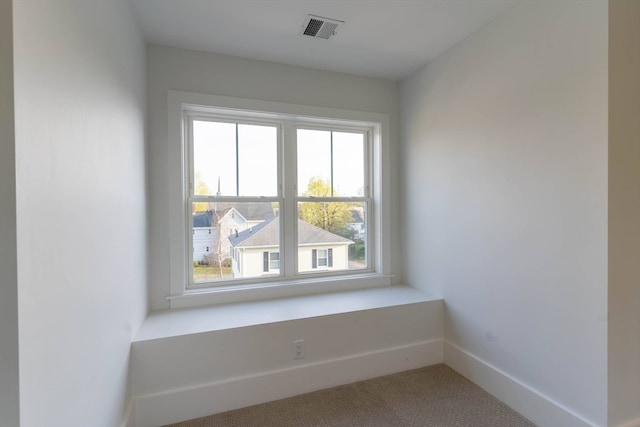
<point>80,161</point>
<point>9,396</point>
<point>178,69</point>
<point>624,213</point>
<point>505,160</point>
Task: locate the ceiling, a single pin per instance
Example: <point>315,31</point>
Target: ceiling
<point>380,38</point>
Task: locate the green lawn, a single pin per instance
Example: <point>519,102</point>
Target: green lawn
<point>205,273</point>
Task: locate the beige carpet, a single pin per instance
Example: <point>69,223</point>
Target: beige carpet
<point>431,396</point>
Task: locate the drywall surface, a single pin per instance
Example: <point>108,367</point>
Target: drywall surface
<point>80,150</point>
<point>505,188</point>
<point>9,396</point>
<point>624,213</point>
<point>190,71</point>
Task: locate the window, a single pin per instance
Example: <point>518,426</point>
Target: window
<point>322,258</point>
<point>284,196</point>
<point>235,171</point>
<point>271,261</point>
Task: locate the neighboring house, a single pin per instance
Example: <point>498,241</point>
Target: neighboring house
<point>357,225</point>
<point>256,251</point>
<point>202,235</point>
<point>212,228</point>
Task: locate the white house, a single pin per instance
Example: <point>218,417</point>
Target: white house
<point>212,228</point>
<point>358,224</point>
<point>255,251</point>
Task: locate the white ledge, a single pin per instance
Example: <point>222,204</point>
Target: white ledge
<point>277,289</point>
<point>171,323</point>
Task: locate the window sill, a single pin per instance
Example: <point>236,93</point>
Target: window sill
<point>278,289</point>
<point>171,323</point>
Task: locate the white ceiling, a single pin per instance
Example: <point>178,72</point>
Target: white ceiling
<point>380,38</point>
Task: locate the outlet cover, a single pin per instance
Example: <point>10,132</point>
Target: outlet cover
<point>298,349</point>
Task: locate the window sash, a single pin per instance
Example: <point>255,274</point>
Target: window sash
<point>190,118</point>
<point>366,158</point>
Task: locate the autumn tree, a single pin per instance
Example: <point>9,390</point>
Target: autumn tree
<point>331,216</point>
<point>200,188</point>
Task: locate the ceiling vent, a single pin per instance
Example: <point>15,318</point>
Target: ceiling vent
<point>319,27</point>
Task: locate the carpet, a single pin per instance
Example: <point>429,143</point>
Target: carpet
<point>432,396</point>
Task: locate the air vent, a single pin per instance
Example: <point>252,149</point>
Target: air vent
<point>319,27</point>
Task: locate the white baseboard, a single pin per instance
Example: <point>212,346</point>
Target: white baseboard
<point>539,409</point>
<point>198,401</point>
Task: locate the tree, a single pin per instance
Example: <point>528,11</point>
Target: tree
<point>330,216</point>
<point>200,188</point>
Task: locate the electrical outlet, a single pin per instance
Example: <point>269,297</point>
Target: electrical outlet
<point>298,349</point>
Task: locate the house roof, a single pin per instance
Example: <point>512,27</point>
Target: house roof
<point>259,211</point>
<point>203,219</point>
<point>250,212</point>
<point>358,215</point>
<point>267,233</point>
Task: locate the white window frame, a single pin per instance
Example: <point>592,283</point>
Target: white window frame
<point>378,220</point>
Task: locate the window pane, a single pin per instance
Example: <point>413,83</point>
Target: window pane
<point>330,163</point>
<point>230,164</point>
<point>274,261</point>
<point>348,164</point>
<point>214,158</point>
<point>331,236</point>
<point>230,239</point>
<point>314,160</point>
<point>258,158</point>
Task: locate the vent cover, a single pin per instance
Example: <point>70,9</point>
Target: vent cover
<point>319,27</point>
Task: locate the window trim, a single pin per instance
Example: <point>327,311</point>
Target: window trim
<point>181,295</point>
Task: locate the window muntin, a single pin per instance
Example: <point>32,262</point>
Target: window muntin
<point>346,161</point>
